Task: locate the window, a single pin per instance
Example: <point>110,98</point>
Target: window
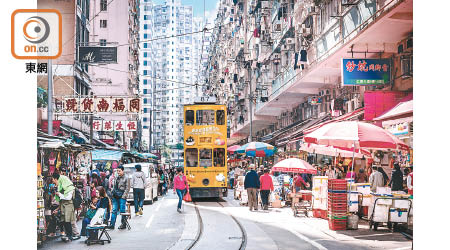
<point>145,54</point>
<point>205,117</point>
<point>145,17</point>
<point>103,23</point>
<point>145,36</point>
<point>145,110</point>
<point>145,119</point>
<point>145,101</point>
<point>220,117</point>
<point>205,157</point>
<point>145,91</point>
<point>189,117</point>
<point>219,157</point>
<point>145,72</point>
<point>191,157</point>
<point>145,64</point>
<point>145,27</point>
<point>145,45</point>
<point>102,42</point>
<point>103,5</point>
<point>145,82</point>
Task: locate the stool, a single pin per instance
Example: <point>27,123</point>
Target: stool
<point>97,239</point>
<point>126,216</point>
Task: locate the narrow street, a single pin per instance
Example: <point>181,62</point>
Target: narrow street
<point>162,227</point>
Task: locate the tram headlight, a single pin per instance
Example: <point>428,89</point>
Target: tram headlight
<point>220,177</point>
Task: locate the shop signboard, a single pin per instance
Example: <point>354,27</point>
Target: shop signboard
<point>56,126</point>
<point>399,129</point>
<point>103,125</point>
<point>99,104</point>
<point>364,72</point>
<point>97,54</point>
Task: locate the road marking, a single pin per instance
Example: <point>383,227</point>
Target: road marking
<point>149,221</point>
<point>157,209</point>
<point>317,245</point>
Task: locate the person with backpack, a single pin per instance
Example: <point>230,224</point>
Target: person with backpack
<point>64,195</point>
<point>120,191</point>
<point>138,183</point>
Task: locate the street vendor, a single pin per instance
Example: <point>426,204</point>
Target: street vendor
<point>376,179</point>
<point>298,182</point>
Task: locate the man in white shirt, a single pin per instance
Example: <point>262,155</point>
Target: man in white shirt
<point>376,179</point>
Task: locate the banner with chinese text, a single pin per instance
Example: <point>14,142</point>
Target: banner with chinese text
<point>101,125</point>
<point>366,71</point>
<point>112,104</point>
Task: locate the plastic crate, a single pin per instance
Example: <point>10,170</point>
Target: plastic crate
<point>324,214</point>
<point>317,213</point>
<point>337,224</point>
<point>337,217</point>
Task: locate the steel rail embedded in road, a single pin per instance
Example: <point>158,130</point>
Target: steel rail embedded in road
<point>200,227</point>
<point>244,233</point>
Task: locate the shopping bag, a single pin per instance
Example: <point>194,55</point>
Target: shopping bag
<point>272,197</point>
<point>187,197</point>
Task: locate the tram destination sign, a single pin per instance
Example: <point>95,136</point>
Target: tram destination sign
<point>205,99</point>
<point>97,54</point>
<point>366,72</point>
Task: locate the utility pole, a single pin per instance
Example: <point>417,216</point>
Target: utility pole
<point>91,128</point>
<point>250,101</point>
<point>50,98</point>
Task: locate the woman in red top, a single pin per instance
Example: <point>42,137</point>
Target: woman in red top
<point>180,186</point>
<point>266,187</point>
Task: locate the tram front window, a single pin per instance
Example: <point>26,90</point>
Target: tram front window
<point>191,157</point>
<point>205,157</point>
<point>205,117</point>
<point>220,117</point>
<point>219,157</point>
<point>189,117</point>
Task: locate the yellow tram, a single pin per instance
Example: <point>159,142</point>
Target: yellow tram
<point>205,148</point>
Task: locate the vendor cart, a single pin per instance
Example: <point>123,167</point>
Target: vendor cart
<point>302,202</point>
<point>389,211</point>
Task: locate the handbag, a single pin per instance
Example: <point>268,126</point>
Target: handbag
<point>90,213</point>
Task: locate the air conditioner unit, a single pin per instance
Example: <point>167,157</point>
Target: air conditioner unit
<point>406,62</point>
<point>290,41</point>
<point>284,47</point>
<point>265,4</point>
<point>276,56</point>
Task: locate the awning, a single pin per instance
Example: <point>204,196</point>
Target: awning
<point>401,109</point>
<point>106,155</point>
<point>347,117</point>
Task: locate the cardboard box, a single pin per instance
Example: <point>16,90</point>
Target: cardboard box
<point>276,204</point>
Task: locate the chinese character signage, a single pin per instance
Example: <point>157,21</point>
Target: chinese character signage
<point>399,129</point>
<point>88,104</point>
<point>314,100</point>
<point>100,125</point>
<point>366,72</point>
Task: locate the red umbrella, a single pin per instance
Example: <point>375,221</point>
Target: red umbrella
<point>232,149</point>
<point>294,165</point>
<point>348,133</point>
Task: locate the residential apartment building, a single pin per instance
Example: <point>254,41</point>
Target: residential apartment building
<point>117,24</point>
<point>172,68</point>
<point>70,78</point>
<point>272,60</point>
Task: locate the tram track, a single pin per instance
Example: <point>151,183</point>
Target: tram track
<point>201,228</point>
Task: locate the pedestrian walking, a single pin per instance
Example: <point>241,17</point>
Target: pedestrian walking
<point>251,184</point>
<point>266,187</point>
<point>64,196</point>
<point>396,182</point>
<point>180,186</point>
<point>138,183</point>
<point>120,191</point>
<point>375,179</point>
<point>385,176</point>
<point>231,176</point>
<point>361,177</point>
